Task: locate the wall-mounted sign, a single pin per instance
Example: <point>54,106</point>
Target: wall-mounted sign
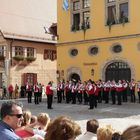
<point>90,64</point>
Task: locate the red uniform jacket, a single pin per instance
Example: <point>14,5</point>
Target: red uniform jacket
<point>49,91</point>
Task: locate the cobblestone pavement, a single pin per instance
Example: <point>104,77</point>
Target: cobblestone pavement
<point>119,117</point>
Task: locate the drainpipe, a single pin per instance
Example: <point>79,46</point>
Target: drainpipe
<point>8,63</point>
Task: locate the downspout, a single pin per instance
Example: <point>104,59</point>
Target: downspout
<point>8,62</point>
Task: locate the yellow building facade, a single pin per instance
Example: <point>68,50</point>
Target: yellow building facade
<point>98,40</point>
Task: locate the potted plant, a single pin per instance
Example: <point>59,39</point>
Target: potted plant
<point>75,28</point>
<point>85,26</point>
<point>110,23</point>
<point>123,20</point>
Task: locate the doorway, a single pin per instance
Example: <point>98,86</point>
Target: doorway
<point>118,71</point>
<point>74,77</point>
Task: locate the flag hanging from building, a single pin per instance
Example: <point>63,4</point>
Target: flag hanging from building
<point>65,5</point>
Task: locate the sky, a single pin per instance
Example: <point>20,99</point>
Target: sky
<point>27,17</point>
<point>35,9</point>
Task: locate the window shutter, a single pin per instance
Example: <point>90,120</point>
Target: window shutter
<point>13,51</point>
<point>35,78</point>
<point>45,54</point>
<point>35,55</point>
<point>24,78</point>
<point>54,54</point>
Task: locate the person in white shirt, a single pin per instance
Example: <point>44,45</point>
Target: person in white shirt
<point>92,126</point>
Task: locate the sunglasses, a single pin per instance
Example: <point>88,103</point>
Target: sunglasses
<point>17,115</point>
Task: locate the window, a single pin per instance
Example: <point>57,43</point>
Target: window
<point>111,1</point>
<point>30,52</point>
<point>80,14</point>
<point>19,51</point>
<point>116,11</point>
<point>73,52</point>
<point>50,54</point>
<point>117,49</point>
<point>31,78</point>
<point>76,5</point>
<point>93,50</point>
<point>86,3</point>
<point>123,12</point>
<point>3,51</point>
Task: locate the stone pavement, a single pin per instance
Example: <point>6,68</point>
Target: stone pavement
<point>120,117</point>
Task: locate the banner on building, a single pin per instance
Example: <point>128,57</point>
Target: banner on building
<point>65,5</point>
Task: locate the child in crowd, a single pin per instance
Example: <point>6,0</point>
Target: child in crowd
<point>39,127</point>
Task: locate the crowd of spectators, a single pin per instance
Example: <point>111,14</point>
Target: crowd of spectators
<point>19,124</point>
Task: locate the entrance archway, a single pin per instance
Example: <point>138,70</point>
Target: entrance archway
<point>118,71</point>
<point>74,73</point>
<point>74,77</point>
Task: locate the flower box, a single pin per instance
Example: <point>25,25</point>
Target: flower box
<point>18,58</point>
<point>30,59</point>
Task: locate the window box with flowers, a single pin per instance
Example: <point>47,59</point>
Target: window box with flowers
<point>75,28</point>
<point>18,58</point>
<point>30,59</point>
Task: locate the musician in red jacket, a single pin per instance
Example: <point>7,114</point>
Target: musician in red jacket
<point>90,90</point>
<point>29,92</point>
<point>119,89</point>
<point>49,93</point>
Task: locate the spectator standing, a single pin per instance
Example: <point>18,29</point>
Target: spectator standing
<point>29,92</point>
<point>4,92</point>
<point>40,92</point>
<point>59,92</point>
<point>16,91</point>
<point>12,116</point>
<point>36,93</point>
<point>10,90</point>
<point>138,91</point>
<point>22,91</point>
<point>92,126</point>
